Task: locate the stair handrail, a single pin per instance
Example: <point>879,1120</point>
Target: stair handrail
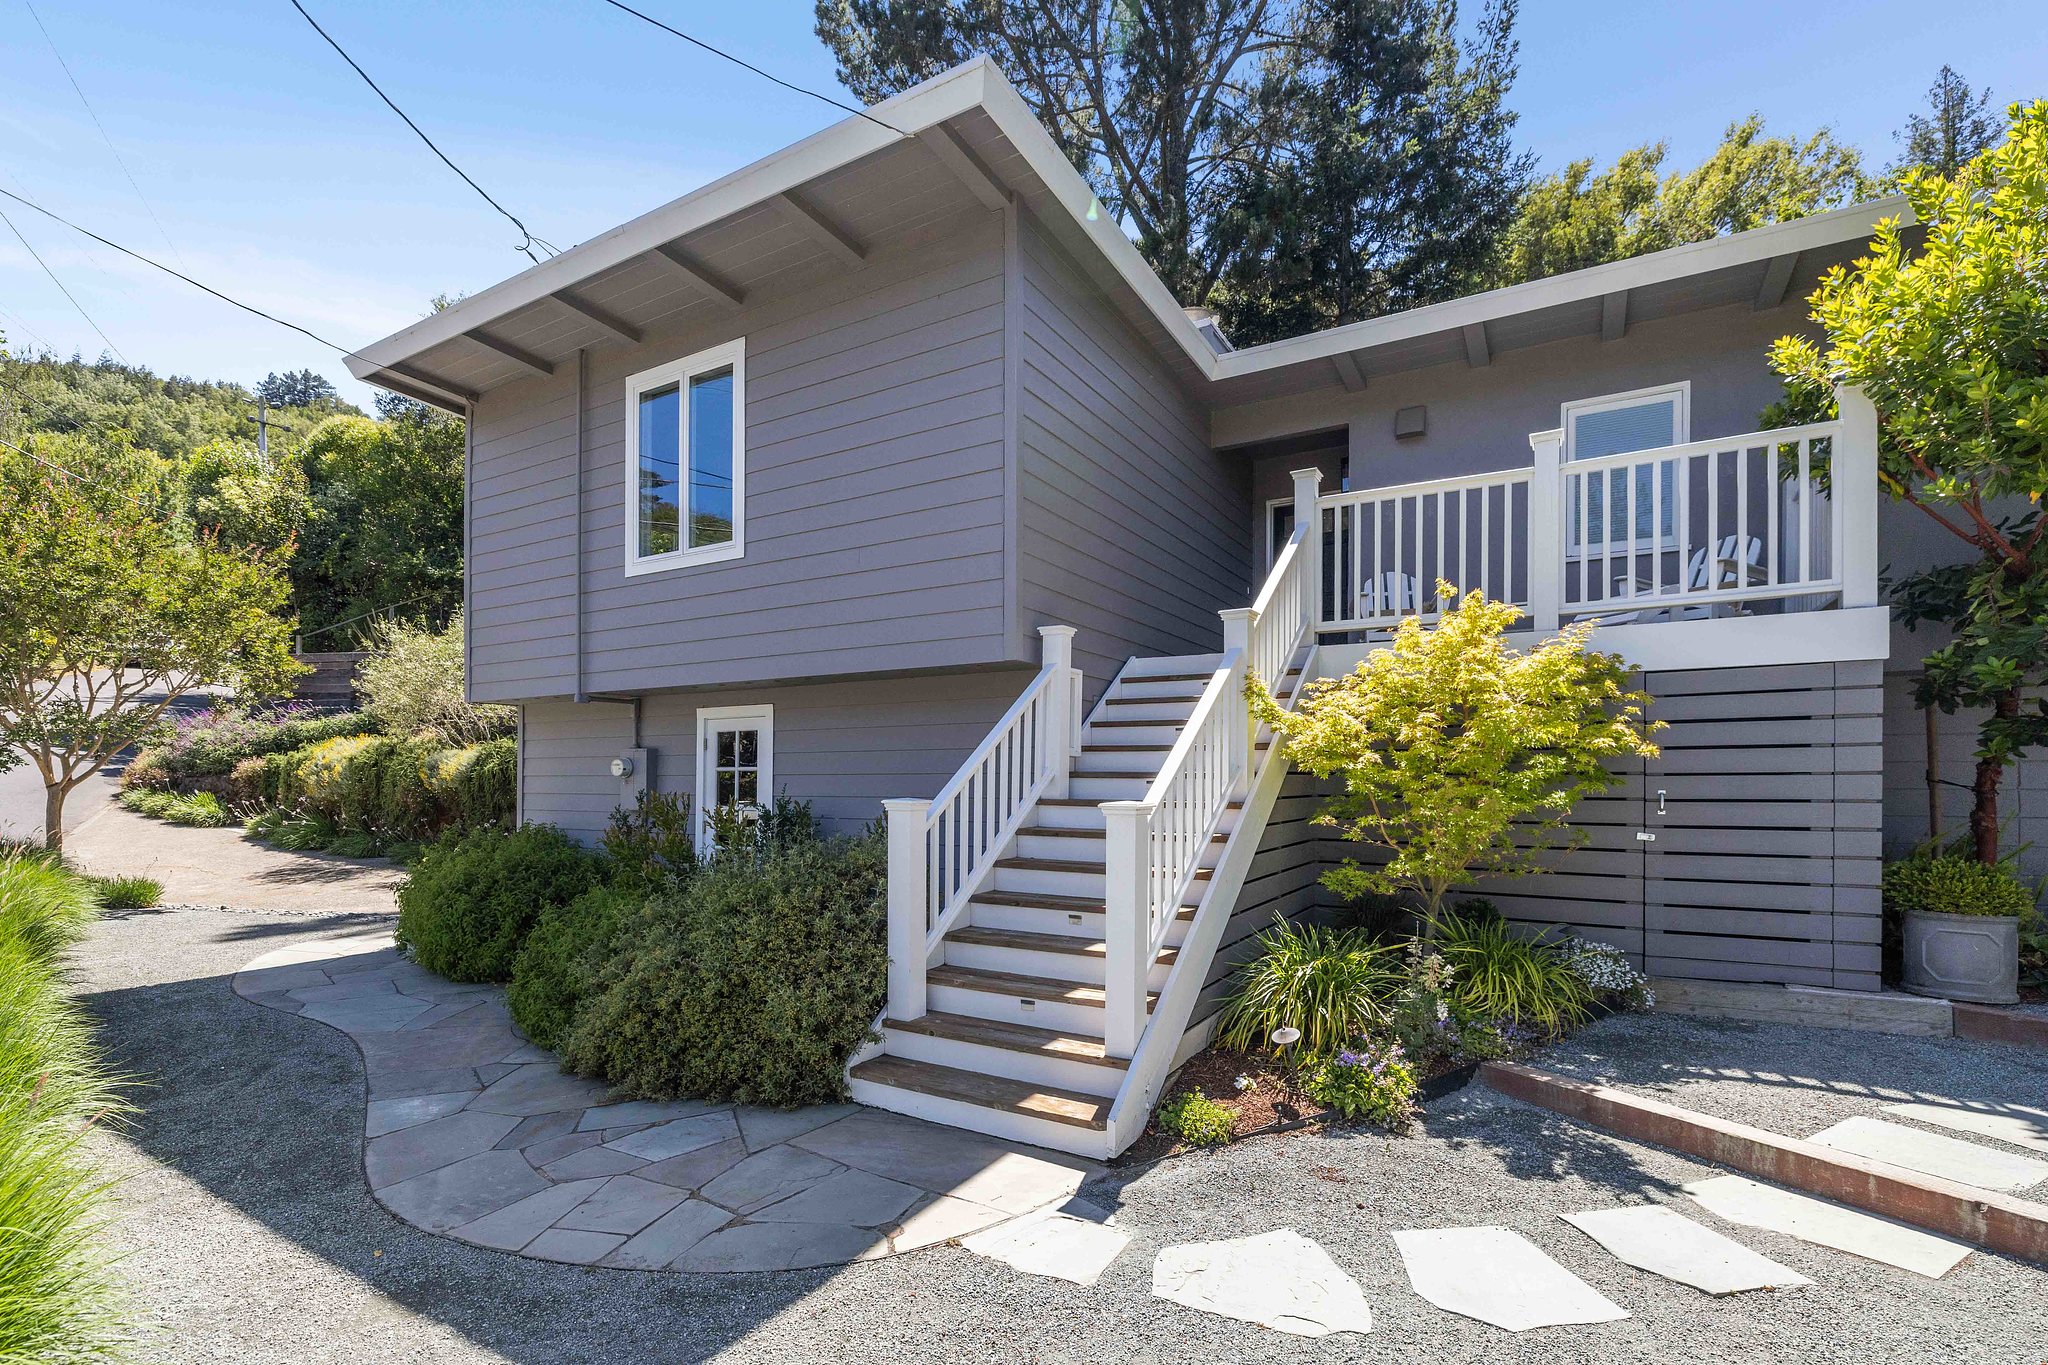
<point>1154,846</point>
<point>939,850</point>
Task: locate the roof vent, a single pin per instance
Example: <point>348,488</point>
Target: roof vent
<point>1212,331</point>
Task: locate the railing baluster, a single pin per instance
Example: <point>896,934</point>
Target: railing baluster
<point>1740,559</point>
<point>1805,508</point>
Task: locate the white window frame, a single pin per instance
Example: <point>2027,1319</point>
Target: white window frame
<point>712,719</point>
<point>1681,420</point>
<point>731,354</point>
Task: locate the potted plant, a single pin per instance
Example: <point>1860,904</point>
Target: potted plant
<point>1959,926</point>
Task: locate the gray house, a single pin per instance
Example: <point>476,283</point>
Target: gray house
<point>883,472</point>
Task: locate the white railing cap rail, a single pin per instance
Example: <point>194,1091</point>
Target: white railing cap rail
<point>1748,440</point>
<point>1491,478</point>
<point>1190,732</point>
<point>1278,574</point>
<point>994,737</point>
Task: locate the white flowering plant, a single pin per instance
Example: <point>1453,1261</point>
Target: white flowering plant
<point>1607,970</point>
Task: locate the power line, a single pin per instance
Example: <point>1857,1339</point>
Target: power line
<point>104,135</point>
<point>53,276</point>
<point>737,61</point>
<point>531,241</point>
<point>176,274</point>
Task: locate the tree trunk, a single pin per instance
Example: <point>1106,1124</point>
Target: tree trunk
<point>1984,811</point>
<point>53,817</point>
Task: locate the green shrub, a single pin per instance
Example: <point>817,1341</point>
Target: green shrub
<point>1496,974</point>
<point>472,899</point>
<point>553,971</point>
<point>126,893</point>
<point>1194,1118</point>
<point>317,778</point>
<point>58,1297</point>
<point>652,845</point>
<point>752,834</point>
<point>1954,884</point>
<point>211,744</point>
<point>413,685</point>
<point>202,809</point>
<point>755,982</point>
<point>476,787</point>
<point>1373,1083</point>
<point>146,769</point>
<point>1333,985</point>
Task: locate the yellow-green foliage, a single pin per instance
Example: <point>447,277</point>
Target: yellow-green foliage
<point>1461,755</point>
<point>318,778</point>
<point>1196,1119</point>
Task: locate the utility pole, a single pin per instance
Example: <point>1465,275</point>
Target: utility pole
<point>262,431</point>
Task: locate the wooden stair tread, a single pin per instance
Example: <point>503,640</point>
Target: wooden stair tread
<point>1029,941</point>
<point>1040,900</point>
<point>1136,724</point>
<point>1166,677</point>
<point>1048,865</point>
<point>990,1092</point>
<point>1125,748</point>
<point>965,1028</point>
<point>1119,775</point>
<point>1028,987</point>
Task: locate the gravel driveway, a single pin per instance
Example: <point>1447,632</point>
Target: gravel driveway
<point>252,1238</point>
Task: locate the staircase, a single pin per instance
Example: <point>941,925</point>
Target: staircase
<point>1053,912</point>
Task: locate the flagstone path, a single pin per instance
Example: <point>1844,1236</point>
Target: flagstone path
<point>471,1131</point>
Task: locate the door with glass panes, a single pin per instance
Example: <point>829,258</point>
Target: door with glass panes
<point>735,765</point>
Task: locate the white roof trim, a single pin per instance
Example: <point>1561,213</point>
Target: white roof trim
<point>979,84</point>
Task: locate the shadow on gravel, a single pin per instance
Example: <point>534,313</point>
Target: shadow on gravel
<point>264,1112</point>
<point>344,923</point>
<point>318,869</point>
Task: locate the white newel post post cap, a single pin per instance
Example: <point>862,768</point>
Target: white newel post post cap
<point>1237,627</point>
<point>1308,485</point>
<point>1056,645</point>
<point>908,887</point>
<point>1546,530</point>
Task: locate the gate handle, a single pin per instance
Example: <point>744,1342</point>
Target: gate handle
<point>1660,800</point>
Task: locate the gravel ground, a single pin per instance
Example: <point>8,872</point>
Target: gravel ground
<point>252,1238</point>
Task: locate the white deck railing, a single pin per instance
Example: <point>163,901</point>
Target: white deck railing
<point>1762,523</point>
<point>941,849</point>
<point>1155,846</point>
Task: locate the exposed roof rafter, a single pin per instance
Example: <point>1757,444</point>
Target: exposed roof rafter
<point>1777,281</point>
<point>518,356</point>
<point>1349,372</point>
<point>836,240</point>
<point>417,384</point>
<point>956,156</point>
<point>711,285</point>
<point>1477,353</point>
<point>618,329</point>
<point>1614,315</point>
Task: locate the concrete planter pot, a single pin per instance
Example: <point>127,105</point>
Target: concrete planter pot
<point>1962,957</point>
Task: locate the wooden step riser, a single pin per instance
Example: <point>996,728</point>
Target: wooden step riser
<point>1165,732</point>
<point>1039,881</point>
<point>1036,1067</point>
<point>1087,788</point>
<point>1171,665</point>
<point>975,1118</point>
<point>1145,761</point>
<point>1082,967</point>
<point>1082,925</point>
<point>1060,1016</point>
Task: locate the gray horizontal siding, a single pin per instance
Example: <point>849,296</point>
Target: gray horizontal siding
<point>874,517</point>
<point>1130,527</point>
<point>842,746</point>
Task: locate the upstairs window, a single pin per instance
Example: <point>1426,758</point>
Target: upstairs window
<point>686,460</point>
<point>1620,424</point>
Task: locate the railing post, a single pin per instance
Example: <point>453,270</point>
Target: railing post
<point>1546,532</point>
<point>1126,922</point>
<point>1308,511</point>
<point>1852,488</point>
<point>1237,638</point>
<point>909,897</point>
<point>1063,706</point>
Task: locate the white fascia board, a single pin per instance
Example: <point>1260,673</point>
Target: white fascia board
<point>944,96</point>
<point>1696,258</point>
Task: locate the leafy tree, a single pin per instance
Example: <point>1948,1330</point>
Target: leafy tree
<point>1958,126</point>
<point>228,489</point>
<point>385,532</point>
<point>1576,218</point>
<point>413,682</point>
<point>1461,755</point>
<point>1950,344</point>
<point>294,389</point>
<point>112,615</point>
<point>1395,174</point>
<point>1229,133</point>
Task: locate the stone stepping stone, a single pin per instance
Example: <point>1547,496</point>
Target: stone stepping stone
<point>388,1116</point>
<point>677,1137</point>
<point>429,1146</point>
<point>851,1197</point>
<point>623,1204</point>
<point>2013,1123</point>
<point>1653,1238</point>
<point>1916,1149</point>
<point>513,1226</point>
<point>1052,1244</point>
<point>941,1218</point>
<point>766,1177</point>
<point>1280,1280</point>
<point>1756,1205</point>
<point>669,1236</point>
<point>443,1200</point>
<point>1499,1277</point>
<point>780,1246</point>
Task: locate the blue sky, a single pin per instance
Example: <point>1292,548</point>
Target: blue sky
<point>279,177</point>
